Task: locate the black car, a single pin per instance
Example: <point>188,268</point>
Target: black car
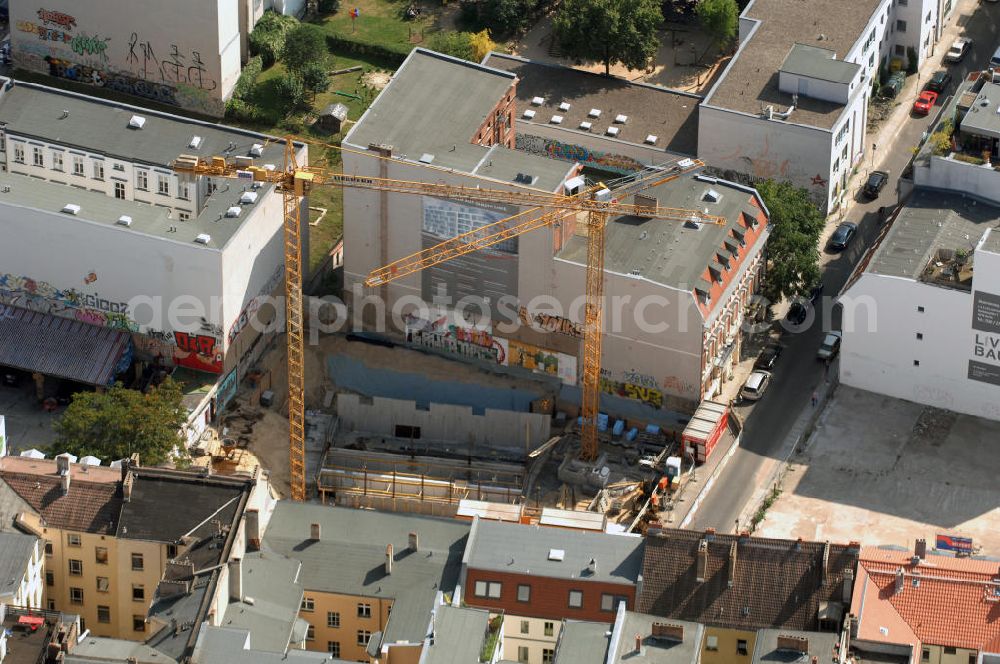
<point>768,357</point>
<point>875,184</point>
<point>843,235</point>
<point>939,81</point>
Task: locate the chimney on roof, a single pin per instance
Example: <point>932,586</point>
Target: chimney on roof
<point>62,464</point>
<point>798,544</point>
<point>127,485</point>
<point>638,644</point>
<point>848,586</point>
<point>900,580</point>
<point>388,558</point>
<point>236,580</point>
<point>414,541</point>
<point>65,483</point>
<point>253,530</point>
<point>702,562</point>
<point>314,532</point>
<point>825,570</point>
<point>920,548</point>
<point>732,564</point>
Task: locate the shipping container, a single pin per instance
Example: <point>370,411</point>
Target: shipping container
<point>704,430</point>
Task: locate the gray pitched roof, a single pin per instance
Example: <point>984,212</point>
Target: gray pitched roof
<point>819,645</point>
<point>15,555</point>
<point>520,549</point>
<point>458,635</point>
<point>228,645</point>
<point>271,582</point>
<point>104,650</point>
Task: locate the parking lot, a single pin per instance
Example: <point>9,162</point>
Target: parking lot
<point>886,471</point>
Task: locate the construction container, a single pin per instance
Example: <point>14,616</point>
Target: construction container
<point>704,430</point>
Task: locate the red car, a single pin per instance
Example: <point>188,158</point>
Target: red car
<point>923,104</point>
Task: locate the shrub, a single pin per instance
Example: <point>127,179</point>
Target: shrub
<point>940,140</point>
<point>268,37</point>
<point>248,77</point>
<point>453,43</point>
<point>481,44</point>
<point>315,78</point>
<point>387,55</point>
<point>969,159</point>
<point>291,90</point>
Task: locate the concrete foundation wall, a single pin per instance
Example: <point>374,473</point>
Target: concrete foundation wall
<point>443,421</point>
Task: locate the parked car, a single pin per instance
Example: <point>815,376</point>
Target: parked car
<point>939,81</point>
<point>925,102</point>
<point>875,184</point>
<point>958,49</point>
<point>830,346</point>
<point>754,388</point>
<point>769,356</point>
<point>843,235</point>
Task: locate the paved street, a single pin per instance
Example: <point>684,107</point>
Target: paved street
<point>798,374</point>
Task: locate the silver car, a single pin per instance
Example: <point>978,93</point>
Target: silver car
<point>754,388</point>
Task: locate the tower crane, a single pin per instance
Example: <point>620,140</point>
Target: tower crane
<point>295,182</point>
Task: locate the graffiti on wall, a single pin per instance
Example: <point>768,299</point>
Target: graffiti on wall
<point>648,395</point>
<point>175,76</point>
<point>549,323</point>
<point>227,390</point>
<point>200,352</point>
<point>253,306</point>
<point>476,343</point>
<point>549,147</point>
<point>542,360</point>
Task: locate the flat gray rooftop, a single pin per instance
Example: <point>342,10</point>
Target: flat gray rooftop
<point>518,549</point>
<point>983,117</point>
<point>434,105</point>
<point>818,63</point>
<point>819,645</point>
<point>670,252</point>
<point>153,220</point>
<point>102,126</point>
<point>582,642</point>
<point>751,80</point>
<point>228,645</point>
<point>96,648</point>
<point>931,220</point>
<point>271,580</point>
<point>670,115</point>
<point>458,635</point>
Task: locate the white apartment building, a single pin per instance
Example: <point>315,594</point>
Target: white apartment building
<point>793,102</point>
<point>99,229</point>
<point>922,313</point>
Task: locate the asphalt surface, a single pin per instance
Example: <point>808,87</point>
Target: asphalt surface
<point>798,372</point>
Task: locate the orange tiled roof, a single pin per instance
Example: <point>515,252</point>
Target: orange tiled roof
<point>945,601</point>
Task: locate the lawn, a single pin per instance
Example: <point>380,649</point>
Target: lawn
<point>380,22</point>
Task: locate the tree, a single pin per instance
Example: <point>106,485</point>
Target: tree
<point>504,17</point>
<point>291,89</point>
<point>456,44</point>
<point>481,44</point>
<point>315,78</point>
<point>609,31</point>
<point>120,422</point>
<point>792,253</point>
<point>720,19</point>
<point>268,37</point>
<point>303,45</point>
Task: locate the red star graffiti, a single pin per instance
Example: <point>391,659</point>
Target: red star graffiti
<point>819,181</point>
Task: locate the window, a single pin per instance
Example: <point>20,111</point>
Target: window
<point>57,160</point>
<point>927,19</point>
<point>118,167</point>
<point>73,539</point>
<point>142,180</point>
<point>37,157</point>
<point>311,633</point>
<point>900,25</point>
<point>102,584</point>
<point>549,628</point>
<point>48,548</point>
<point>741,647</point>
<point>76,595</point>
<point>900,50</point>
<point>364,636</point>
<point>137,563</point>
<point>75,567</point>
<point>525,627</point>
<point>162,184</point>
<point>308,605</point>
<point>949,651</point>
<point>98,170</point>
<point>138,623</point>
<point>50,605</point>
<point>184,191</point>
<point>522,654</point>
<point>332,619</point>
<point>19,154</point>
<point>902,3</point>
<point>711,643</point>
<point>120,190</point>
<point>523,593</point>
<point>575,599</point>
<point>78,166</point>
<point>926,656</point>
<point>836,165</point>
<point>920,336</point>
<point>103,614</point>
<point>101,555</point>
<point>138,593</point>
<point>171,551</point>
<point>489,589</point>
<point>920,310</point>
<point>364,610</point>
<point>333,647</point>
<point>183,216</point>
<point>972,658</point>
<point>50,578</point>
<point>916,363</point>
<point>548,654</point>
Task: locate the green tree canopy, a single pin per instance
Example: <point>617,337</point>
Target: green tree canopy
<point>609,31</point>
<point>268,37</point>
<point>720,19</point>
<point>792,249</point>
<point>304,45</point>
<point>315,78</point>
<point>120,422</point>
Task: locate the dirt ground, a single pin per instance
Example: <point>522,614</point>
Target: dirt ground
<point>887,471</point>
<point>685,61</point>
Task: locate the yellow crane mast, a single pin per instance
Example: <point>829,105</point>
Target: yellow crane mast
<point>598,202</point>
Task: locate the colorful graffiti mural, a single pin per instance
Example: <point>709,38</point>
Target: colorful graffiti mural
<point>549,323</point>
<point>648,395</point>
<point>200,352</point>
<point>542,360</point>
<point>549,147</point>
<point>469,342</point>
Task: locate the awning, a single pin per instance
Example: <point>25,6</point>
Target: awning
<point>62,347</point>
